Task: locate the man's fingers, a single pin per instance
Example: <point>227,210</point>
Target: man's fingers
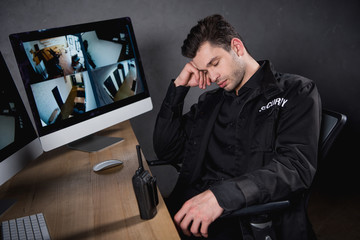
<point>183,220</point>
<point>204,229</point>
<point>201,80</point>
<point>195,227</point>
<point>193,69</point>
<point>179,216</point>
<point>184,225</point>
<point>197,76</point>
<point>191,76</point>
<point>200,76</point>
<point>208,80</point>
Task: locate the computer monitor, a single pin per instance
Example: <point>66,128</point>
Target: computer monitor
<point>19,143</point>
<point>80,79</point>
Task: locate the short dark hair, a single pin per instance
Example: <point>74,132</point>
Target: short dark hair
<point>214,29</point>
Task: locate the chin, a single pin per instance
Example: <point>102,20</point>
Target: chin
<point>228,88</point>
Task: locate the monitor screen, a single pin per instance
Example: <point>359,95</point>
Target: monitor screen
<point>82,78</point>
<point>19,143</point>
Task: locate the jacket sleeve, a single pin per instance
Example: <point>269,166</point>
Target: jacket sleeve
<point>294,158</point>
<point>169,135</point>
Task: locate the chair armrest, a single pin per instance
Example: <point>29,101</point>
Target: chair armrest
<point>260,209</point>
<point>252,210</point>
<point>162,162</point>
<point>157,162</point>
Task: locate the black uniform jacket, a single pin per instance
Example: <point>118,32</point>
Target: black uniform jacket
<point>278,131</point>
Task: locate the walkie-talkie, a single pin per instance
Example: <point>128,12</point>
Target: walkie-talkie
<point>145,190</point>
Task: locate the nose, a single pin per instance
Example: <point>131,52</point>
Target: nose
<point>213,76</point>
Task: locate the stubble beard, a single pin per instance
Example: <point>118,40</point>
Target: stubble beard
<point>237,77</point>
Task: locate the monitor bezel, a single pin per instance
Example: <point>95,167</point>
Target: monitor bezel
<point>17,39</point>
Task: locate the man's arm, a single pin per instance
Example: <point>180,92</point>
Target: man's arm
<point>169,138</point>
<point>169,133</point>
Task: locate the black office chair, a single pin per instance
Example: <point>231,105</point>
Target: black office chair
<point>331,125</point>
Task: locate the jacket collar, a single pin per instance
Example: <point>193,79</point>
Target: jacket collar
<point>263,81</point>
<point>267,81</point>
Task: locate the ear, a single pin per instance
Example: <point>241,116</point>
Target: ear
<point>237,46</point>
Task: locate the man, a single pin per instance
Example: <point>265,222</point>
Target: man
<point>252,140</point>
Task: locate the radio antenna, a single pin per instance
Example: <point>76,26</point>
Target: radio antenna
<point>141,167</point>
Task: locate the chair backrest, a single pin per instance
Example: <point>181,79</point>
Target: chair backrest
<point>331,125</point>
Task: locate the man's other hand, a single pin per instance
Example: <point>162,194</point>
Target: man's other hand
<point>198,213</point>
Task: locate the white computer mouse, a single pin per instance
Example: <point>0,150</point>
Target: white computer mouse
<point>106,164</point>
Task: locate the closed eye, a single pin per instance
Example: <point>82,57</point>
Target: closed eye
<point>215,62</point>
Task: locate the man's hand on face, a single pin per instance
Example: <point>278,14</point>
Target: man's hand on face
<point>191,76</point>
<point>198,213</point>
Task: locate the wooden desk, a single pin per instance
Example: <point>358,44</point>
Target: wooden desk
<point>80,204</point>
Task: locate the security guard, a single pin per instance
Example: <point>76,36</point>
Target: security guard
<point>252,140</point>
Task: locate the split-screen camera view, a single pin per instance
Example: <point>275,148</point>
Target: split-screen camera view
<point>81,72</point>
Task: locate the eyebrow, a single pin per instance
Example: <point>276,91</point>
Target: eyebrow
<point>209,63</point>
<point>212,60</point>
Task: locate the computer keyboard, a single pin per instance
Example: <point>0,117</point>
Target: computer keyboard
<point>29,227</point>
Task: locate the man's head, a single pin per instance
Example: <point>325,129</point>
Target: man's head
<point>218,52</point>
<point>213,29</point>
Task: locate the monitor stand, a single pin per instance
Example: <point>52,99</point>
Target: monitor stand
<point>94,143</point>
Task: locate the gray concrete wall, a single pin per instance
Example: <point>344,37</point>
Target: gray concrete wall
<point>317,39</point>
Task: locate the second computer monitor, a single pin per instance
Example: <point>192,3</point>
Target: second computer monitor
<point>19,143</point>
